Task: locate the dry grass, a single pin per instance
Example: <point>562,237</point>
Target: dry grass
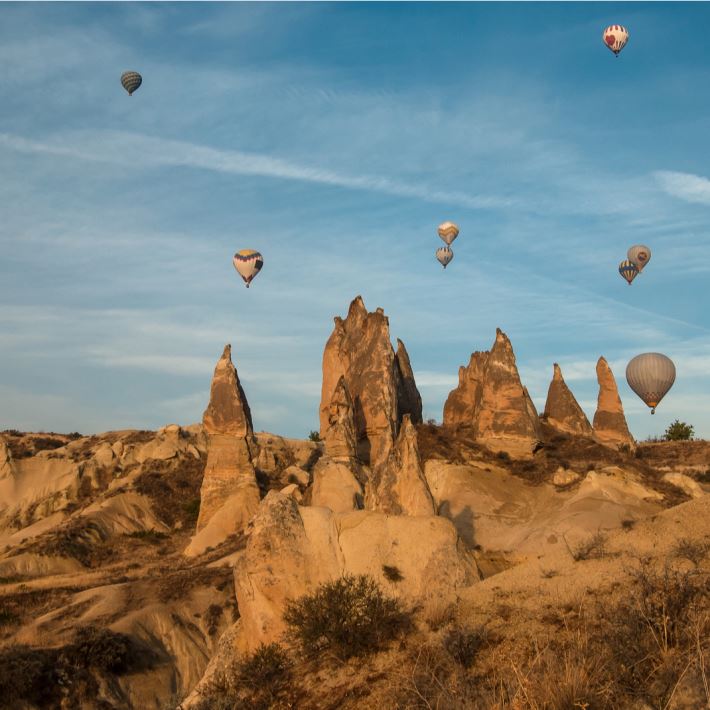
<point>593,548</point>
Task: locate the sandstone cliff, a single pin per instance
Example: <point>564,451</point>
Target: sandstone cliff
<point>562,410</point>
<point>610,426</point>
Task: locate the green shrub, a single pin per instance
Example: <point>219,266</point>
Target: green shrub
<point>678,431</point>
<point>314,436</point>
<point>348,617</point>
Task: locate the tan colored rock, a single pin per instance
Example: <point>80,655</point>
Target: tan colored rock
<point>562,410</point>
<point>378,381</point>
<point>685,483</point>
<point>336,486</point>
<point>505,417</point>
<point>293,491</point>
<point>228,410</point>
<point>228,472</point>
<point>565,477</point>
<point>460,406</point>
<point>340,437</point>
<point>293,549</point>
<point>398,486</point>
<point>610,426</point>
<point>297,475</point>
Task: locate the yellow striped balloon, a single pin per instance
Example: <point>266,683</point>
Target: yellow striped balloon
<point>651,375</point>
<point>628,270</point>
<point>248,263</point>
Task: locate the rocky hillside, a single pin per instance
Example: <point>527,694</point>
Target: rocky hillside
<point>155,569</point>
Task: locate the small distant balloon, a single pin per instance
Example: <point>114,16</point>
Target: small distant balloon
<point>444,255</point>
<point>248,263</point>
<point>628,270</point>
<point>639,255</point>
<point>448,231</point>
<point>615,38</point>
<point>651,375</point>
<point>131,80</point>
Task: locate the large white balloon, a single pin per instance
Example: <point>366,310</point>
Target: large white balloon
<point>615,38</point>
<point>651,375</point>
<point>248,264</point>
<point>639,255</point>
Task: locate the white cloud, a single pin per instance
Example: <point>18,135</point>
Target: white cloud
<point>688,187</point>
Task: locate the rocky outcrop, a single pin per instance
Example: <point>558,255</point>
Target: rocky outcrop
<point>380,383</point>
<point>337,485</point>
<point>399,486</point>
<point>293,549</point>
<point>409,400</point>
<point>460,406</point>
<point>228,411</point>
<point>491,401</point>
<point>610,426</point>
<point>229,473</point>
<point>562,410</point>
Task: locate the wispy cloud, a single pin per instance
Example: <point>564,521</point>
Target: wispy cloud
<point>141,151</point>
<point>688,187</point>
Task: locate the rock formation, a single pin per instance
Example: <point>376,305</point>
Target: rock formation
<point>293,549</point>
<point>340,437</point>
<point>562,410</point>
<point>491,401</point>
<point>460,406</point>
<point>229,478</point>
<point>337,485</point>
<point>399,486</point>
<point>380,383</point>
<point>609,421</point>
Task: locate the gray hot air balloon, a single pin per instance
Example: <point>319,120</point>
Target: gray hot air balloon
<point>639,255</point>
<point>650,375</point>
<point>444,255</point>
<point>131,80</point>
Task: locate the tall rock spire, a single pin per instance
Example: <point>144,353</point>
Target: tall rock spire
<point>562,410</point>
<point>610,426</point>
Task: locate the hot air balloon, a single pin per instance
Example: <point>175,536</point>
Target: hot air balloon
<point>448,231</point>
<point>248,263</point>
<point>651,375</point>
<point>131,80</point>
<point>639,255</point>
<point>628,270</point>
<point>615,38</point>
<point>444,255</point>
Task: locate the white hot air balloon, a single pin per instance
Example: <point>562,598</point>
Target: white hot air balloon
<point>651,375</point>
<point>248,263</point>
<point>448,231</point>
<point>639,255</point>
<point>444,255</point>
<point>615,38</point>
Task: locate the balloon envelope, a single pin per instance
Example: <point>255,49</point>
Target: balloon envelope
<point>615,38</point>
<point>131,80</point>
<point>248,263</point>
<point>444,255</point>
<point>448,231</point>
<point>628,270</point>
<point>639,255</point>
<point>650,375</point>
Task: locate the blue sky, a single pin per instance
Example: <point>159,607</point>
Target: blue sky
<point>334,138</point>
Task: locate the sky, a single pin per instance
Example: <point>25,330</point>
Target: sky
<point>334,138</point>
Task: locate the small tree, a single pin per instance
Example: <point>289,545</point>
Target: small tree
<point>314,436</point>
<point>678,431</point>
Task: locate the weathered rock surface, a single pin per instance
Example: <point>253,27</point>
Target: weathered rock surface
<point>460,406</point>
<point>293,549</point>
<point>337,485</point>
<point>504,419</point>
<point>562,410</point>
<point>340,437</point>
<point>229,477</point>
<point>610,426</point>
<point>228,410</point>
<point>398,487</point>
<point>379,382</point>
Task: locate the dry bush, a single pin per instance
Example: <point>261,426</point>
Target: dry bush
<point>693,551</point>
<point>348,617</point>
<point>464,644</point>
<point>178,584</point>
<point>212,617</point>
<point>392,573</point>
<point>437,612</point>
<point>593,548</point>
<point>81,539</point>
<point>256,681</point>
